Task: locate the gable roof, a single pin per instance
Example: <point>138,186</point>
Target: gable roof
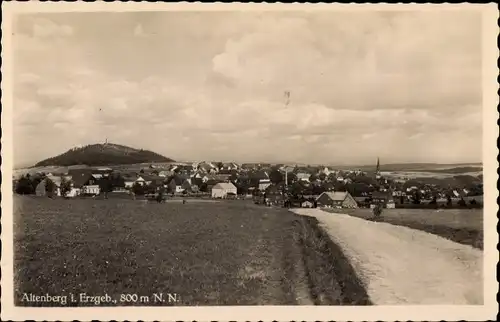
<point>335,195</point>
<point>80,179</point>
<point>178,179</point>
<point>224,185</point>
<point>260,174</point>
<point>56,180</point>
<point>149,177</point>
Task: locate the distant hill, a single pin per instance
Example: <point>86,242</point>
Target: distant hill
<point>103,154</point>
<point>425,167</point>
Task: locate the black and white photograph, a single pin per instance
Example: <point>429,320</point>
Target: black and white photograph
<point>249,156</point>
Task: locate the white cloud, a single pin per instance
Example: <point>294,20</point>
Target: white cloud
<point>43,28</point>
<point>359,85</point>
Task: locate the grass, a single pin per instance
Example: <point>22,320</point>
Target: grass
<point>463,226</point>
<point>226,253</point>
<point>332,279</point>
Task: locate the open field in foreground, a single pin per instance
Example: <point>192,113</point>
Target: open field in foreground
<point>463,226</point>
<point>226,253</point>
<point>400,265</point>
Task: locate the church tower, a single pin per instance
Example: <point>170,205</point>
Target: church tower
<point>377,171</point>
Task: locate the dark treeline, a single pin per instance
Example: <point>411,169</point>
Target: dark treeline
<point>99,155</point>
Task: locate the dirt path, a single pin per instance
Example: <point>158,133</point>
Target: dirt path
<point>399,265</point>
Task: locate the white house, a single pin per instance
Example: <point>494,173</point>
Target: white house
<point>264,184</point>
<point>302,176</point>
<point>326,171</point>
<point>222,189</point>
<point>307,204</point>
<point>91,189</point>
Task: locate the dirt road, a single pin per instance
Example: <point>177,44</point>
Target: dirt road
<point>399,265</point>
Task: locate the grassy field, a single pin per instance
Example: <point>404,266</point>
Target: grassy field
<point>226,253</point>
<point>464,226</point>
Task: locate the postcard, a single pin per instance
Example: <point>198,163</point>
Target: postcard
<point>240,162</point>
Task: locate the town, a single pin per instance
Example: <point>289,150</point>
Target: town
<point>270,184</point>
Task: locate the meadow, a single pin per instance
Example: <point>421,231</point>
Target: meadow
<point>463,226</point>
<point>220,253</point>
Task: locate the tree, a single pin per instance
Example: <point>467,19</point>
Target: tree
<point>234,176</point>
<point>65,187</point>
<point>24,186</point>
<point>417,197</point>
<point>276,176</point>
<point>297,189</point>
<point>106,186</point>
<point>462,202</point>
<point>138,189</point>
<point>117,181</point>
<point>50,187</point>
<point>292,177</point>
<point>203,187</point>
<point>317,190</point>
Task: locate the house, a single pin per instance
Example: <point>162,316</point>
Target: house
<point>302,176</point>
<point>207,167</point>
<point>41,189</point>
<point>362,201</point>
<point>175,184</point>
<point>129,180</point>
<point>85,182</point>
<point>383,198</point>
<point>307,204</point>
<point>101,173</point>
<point>222,189</point>
<point>275,192</point>
<point>264,184</point>
<point>199,174</point>
<point>165,173</point>
<point>222,177</point>
<point>326,171</point>
<point>140,180</point>
<point>229,166</point>
<point>338,199</point>
<point>260,179</point>
<point>187,185</point>
<point>152,180</point>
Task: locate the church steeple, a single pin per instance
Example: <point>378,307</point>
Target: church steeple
<point>377,171</point>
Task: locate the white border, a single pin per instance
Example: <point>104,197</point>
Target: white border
<point>226,313</point>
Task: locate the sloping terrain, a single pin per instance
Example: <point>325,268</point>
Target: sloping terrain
<point>103,154</point>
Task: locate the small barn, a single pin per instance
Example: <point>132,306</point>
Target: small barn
<point>222,189</point>
<point>337,199</point>
<point>43,188</point>
<point>307,204</point>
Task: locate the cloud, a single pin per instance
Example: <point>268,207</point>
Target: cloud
<point>403,86</point>
<point>45,28</point>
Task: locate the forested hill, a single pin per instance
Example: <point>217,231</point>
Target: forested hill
<point>103,154</point>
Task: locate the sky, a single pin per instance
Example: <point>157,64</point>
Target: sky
<point>402,86</point>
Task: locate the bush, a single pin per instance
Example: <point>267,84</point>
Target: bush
<point>24,186</point>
